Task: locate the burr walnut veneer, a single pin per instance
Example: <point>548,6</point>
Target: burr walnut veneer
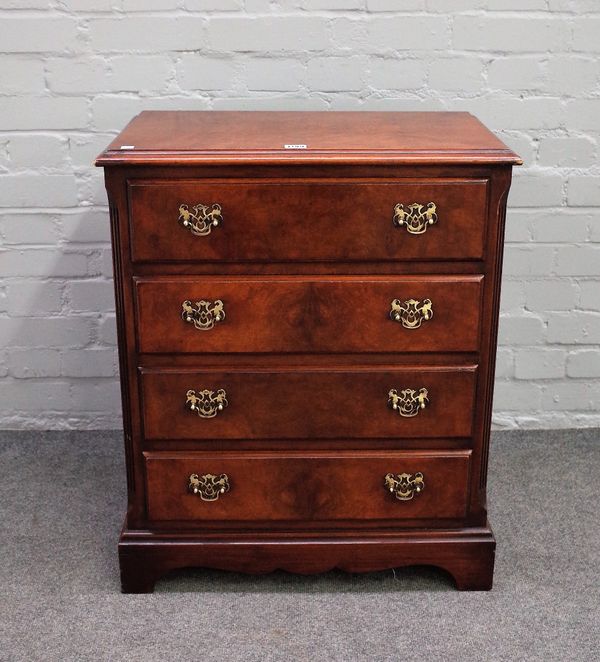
<point>307,309</point>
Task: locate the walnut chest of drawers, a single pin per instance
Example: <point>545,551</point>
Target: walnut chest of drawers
<point>307,308</point>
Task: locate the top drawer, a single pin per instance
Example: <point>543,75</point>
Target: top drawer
<point>307,221</point>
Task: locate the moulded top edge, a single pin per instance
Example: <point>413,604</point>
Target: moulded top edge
<point>321,157</point>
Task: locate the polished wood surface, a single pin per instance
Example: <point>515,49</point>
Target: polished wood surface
<point>307,220</point>
<point>305,261</point>
<point>296,403</point>
<point>260,137</point>
<point>317,487</point>
<point>309,315</point>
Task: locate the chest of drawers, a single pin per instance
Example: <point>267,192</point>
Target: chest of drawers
<point>307,310</point>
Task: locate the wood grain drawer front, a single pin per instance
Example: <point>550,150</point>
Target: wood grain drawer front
<point>311,220</point>
<point>277,315</point>
<point>309,403</point>
<point>313,487</point>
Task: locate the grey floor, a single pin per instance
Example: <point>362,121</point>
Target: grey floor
<point>62,502</point>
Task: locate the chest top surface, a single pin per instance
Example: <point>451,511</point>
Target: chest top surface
<point>200,137</point>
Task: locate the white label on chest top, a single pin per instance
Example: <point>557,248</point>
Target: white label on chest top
<point>294,146</point>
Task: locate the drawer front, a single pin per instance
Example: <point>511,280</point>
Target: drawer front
<point>316,487</point>
<point>312,220</point>
<point>278,315</point>
<point>309,403</point>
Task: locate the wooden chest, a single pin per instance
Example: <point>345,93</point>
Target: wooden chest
<point>307,309</point>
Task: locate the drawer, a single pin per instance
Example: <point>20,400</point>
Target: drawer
<point>308,220</point>
<point>315,487</point>
<point>278,315</point>
<point>308,403</point>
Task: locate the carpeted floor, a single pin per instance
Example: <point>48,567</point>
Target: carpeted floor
<point>62,503</point>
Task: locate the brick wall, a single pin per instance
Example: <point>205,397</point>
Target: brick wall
<point>72,72</point>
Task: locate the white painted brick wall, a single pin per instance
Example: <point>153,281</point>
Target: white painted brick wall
<point>73,72</point>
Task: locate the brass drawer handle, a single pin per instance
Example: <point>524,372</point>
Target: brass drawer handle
<point>408,402</point>
<point>202,219</point>
<point>203,314</point>
<point>207,404</point>
<point>209,487</point>
<point>416,217</point>
<point>405,486</point>
<point>411,313</point>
